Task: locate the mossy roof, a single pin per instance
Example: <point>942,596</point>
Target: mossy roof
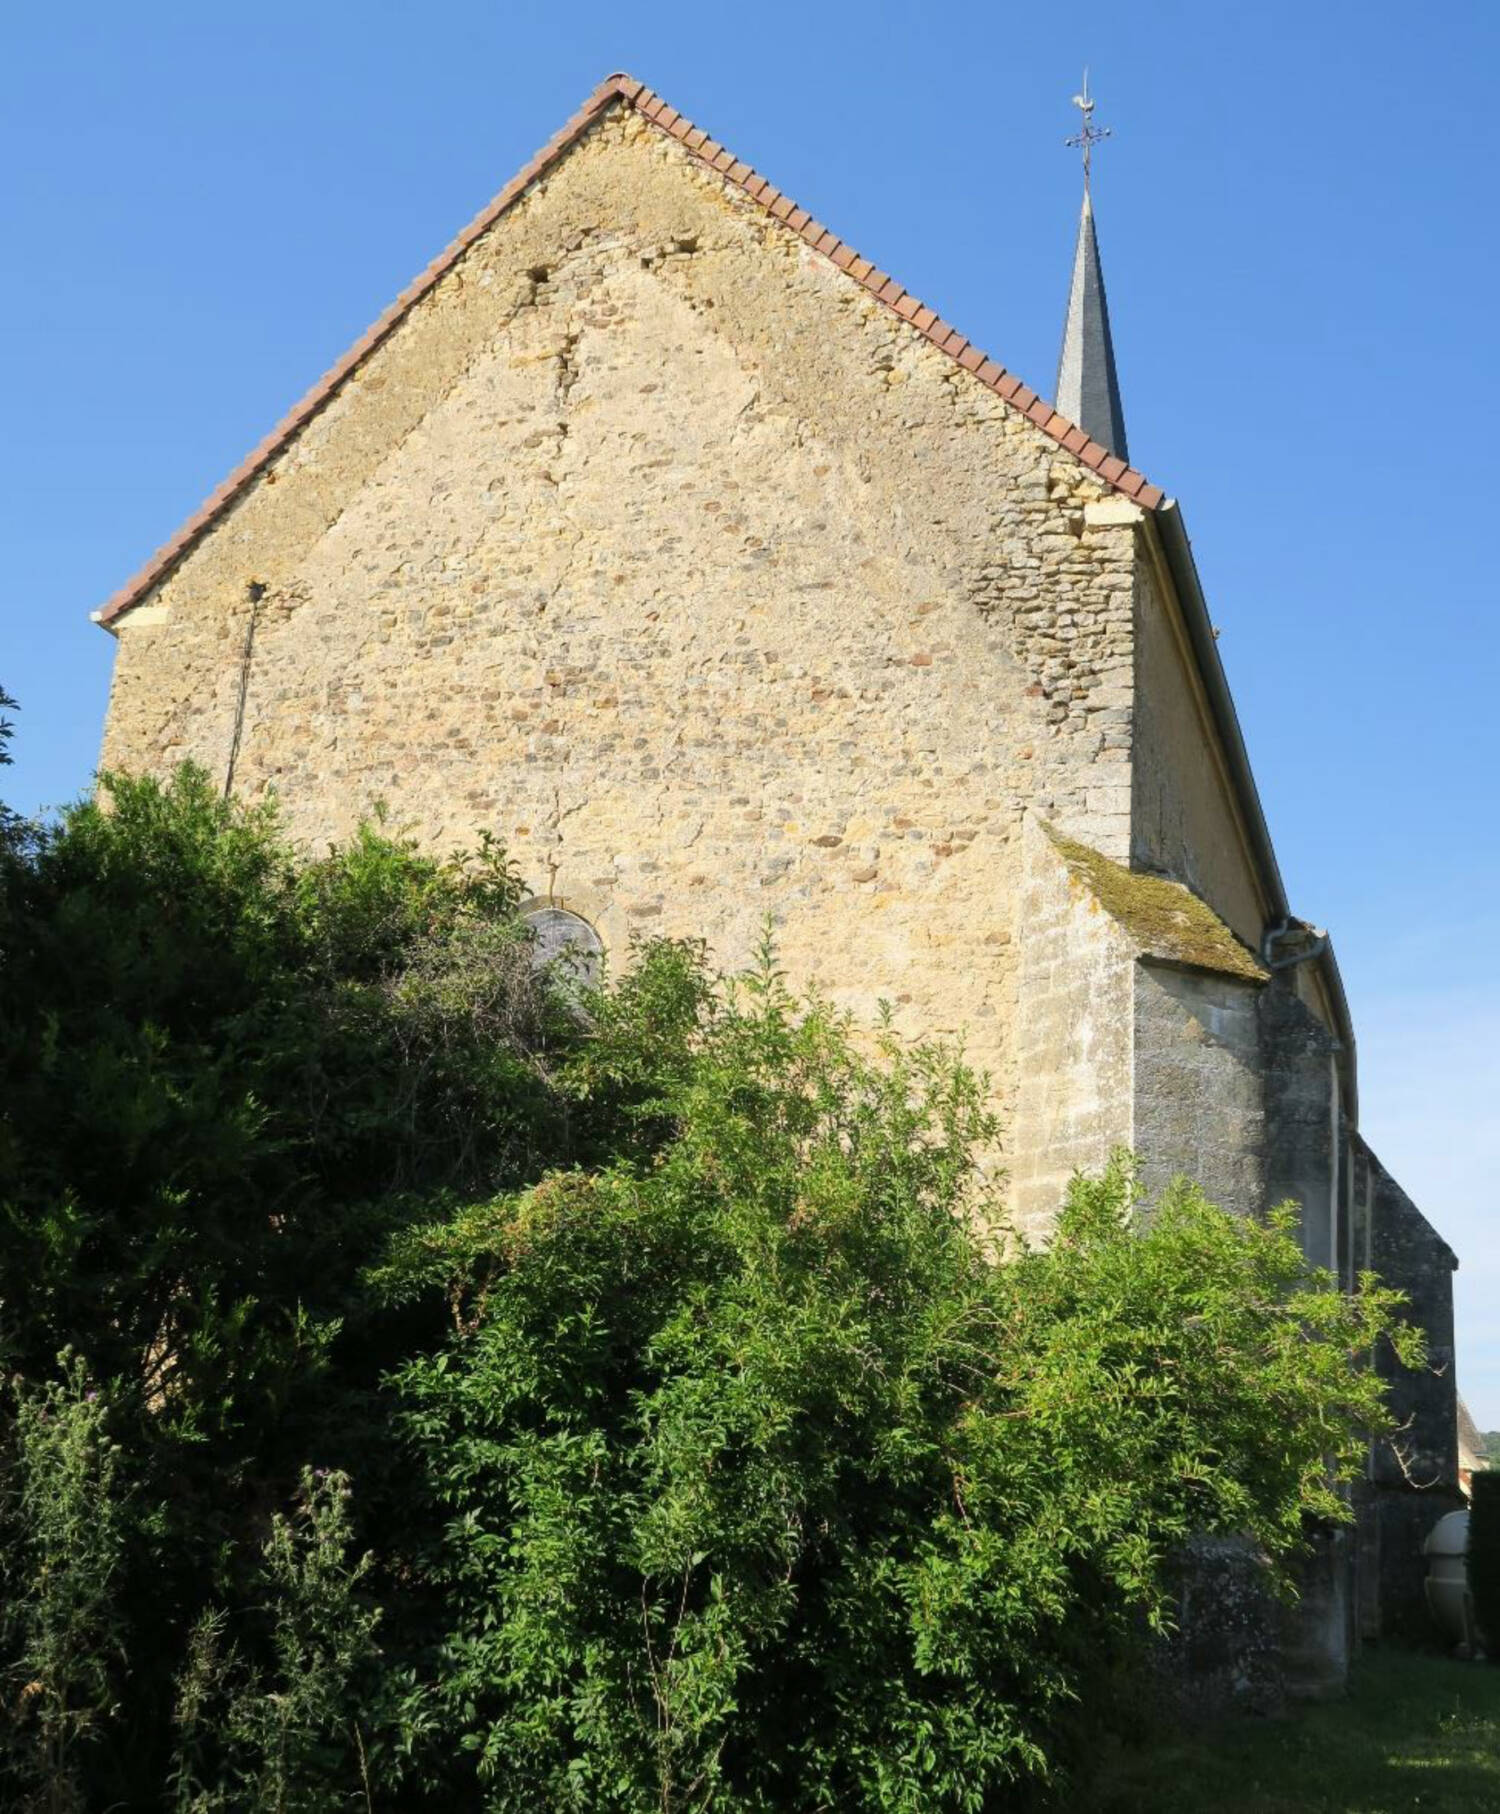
<point>1163,918</point>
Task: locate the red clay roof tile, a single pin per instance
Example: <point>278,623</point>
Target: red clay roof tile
<point>615,89</point>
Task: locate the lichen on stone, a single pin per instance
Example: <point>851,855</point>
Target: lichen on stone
<point>1165,919</point>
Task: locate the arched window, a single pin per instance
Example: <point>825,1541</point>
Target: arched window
<point>564,939</point>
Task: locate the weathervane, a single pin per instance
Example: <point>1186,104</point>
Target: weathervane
<point>1088,134</point>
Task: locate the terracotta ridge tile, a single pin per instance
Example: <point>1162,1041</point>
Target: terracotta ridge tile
<point>623,88</point>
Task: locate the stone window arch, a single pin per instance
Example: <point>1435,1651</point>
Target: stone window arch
<point>564,939</point>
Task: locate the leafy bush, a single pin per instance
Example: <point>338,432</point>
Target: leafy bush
<point>225,1074</point>
<point>760,1485</point>
<point>283,1735</point>
<point>1484,1557</point>
<point>65,1517</point>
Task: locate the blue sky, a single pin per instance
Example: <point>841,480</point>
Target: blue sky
<point>203,206</point>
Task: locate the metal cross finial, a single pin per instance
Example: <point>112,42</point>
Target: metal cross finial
<point>1088,135</point>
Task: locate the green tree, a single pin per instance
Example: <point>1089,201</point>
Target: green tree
<point>226,1074</point>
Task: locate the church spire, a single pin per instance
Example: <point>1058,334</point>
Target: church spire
<point>1088,389</point>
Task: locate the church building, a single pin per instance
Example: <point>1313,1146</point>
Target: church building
<point>656,532</point>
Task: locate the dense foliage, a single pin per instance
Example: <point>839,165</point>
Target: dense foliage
<point>428,1388</point>
<point>1484,1557</point>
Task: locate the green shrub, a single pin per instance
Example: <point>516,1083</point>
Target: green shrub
<point>66,1518</point>
<point>226,1073</point>
<point>683,1446</point>
<point>292,1733</point>
<point>1484,1557</point>
<point>755,1483</point>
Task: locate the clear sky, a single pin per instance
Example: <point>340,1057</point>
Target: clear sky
<point>202,206</point>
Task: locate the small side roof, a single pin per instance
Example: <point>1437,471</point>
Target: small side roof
<point>618,90</point>
<point>1162,919</point>
<point>1470,1439</point>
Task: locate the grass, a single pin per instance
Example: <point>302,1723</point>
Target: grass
<point>1417,1732</point>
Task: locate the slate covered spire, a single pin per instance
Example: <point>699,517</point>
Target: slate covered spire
<point>1088,390</point>
<point>1088,387</point>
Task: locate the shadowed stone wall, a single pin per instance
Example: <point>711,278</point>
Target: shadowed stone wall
<point>1199,1087</point>
<point>1303,1128</point>
<point>1412,1490</point>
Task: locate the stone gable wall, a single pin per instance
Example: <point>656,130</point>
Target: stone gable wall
<point>653,544</point>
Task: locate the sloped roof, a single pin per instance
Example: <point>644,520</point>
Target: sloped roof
<point>616,90</point>
<point>1162,919</point>
<point>1470,1439</point>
